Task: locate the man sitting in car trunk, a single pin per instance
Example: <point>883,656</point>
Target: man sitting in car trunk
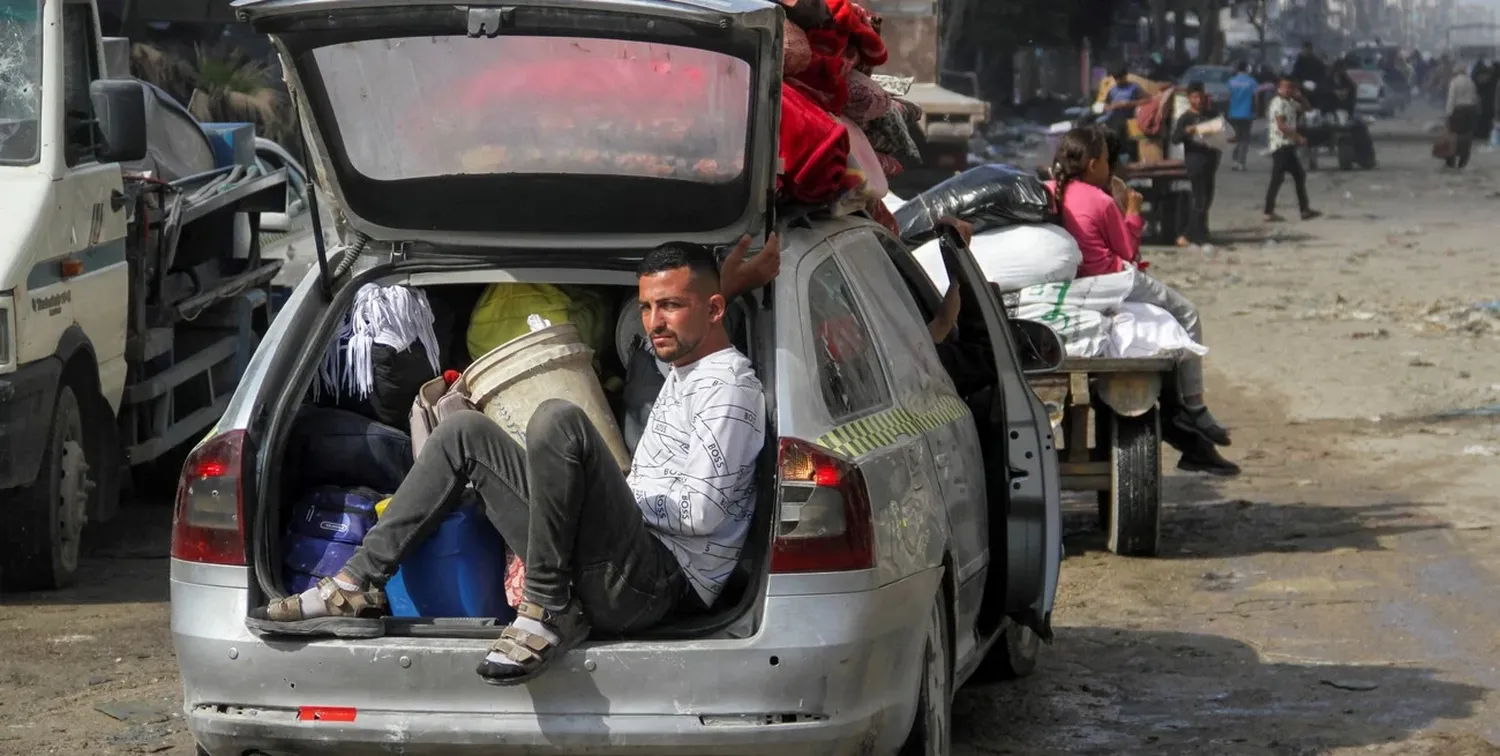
<point>601,549</point>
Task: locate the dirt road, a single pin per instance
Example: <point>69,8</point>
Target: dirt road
<point>1340,597</point>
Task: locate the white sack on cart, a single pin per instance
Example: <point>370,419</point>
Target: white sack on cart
<point>1013,257</point>
<point>1138,329</point>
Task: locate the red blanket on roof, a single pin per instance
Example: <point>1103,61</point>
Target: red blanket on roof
<point>814,150</point>
<point>849,42</point>
<point>855,21</point>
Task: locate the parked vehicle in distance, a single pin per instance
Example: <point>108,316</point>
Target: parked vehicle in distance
<point>1215,82</point>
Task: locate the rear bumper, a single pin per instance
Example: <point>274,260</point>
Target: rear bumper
<point>827,674</point>
<point>26,399</point>
<point>280,734</point>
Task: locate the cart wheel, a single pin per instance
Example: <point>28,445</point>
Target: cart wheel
<point>1134,525</point>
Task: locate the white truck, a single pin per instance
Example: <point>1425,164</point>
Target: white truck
<point>126,311</point>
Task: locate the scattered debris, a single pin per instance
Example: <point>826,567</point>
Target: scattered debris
<point>1379,333</point>
<point>1354,685</point>
<point>146,712</point>
<point>1478,450</point>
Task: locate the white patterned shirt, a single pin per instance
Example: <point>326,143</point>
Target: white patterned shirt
<point>1287,109</point>
<point>693,473</point>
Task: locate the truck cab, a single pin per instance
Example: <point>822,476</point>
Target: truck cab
<point>91,345</point>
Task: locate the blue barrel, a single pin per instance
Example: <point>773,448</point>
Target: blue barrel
<point>458,571</point>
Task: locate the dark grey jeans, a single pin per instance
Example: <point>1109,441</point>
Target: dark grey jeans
<point>561,504</point>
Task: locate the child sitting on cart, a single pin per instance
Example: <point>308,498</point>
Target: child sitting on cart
<point>1110,242</point>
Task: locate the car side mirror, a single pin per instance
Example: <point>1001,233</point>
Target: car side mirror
<point>120,110</point>
<point>1039,347</point>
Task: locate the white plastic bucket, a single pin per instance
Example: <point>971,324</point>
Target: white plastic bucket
<point>509,382</point>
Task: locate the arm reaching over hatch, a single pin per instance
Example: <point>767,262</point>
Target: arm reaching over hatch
<point>740,274</point>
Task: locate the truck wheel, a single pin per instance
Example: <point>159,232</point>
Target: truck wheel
<point>1134,527</point>
<point>40,544</point>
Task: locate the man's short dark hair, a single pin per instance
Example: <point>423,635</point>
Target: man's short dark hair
<point>1242,67</point>
<point>673,255</point>
<point>1195,87</point>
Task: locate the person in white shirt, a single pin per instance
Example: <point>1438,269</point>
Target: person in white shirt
<point>1284,140</point>
<point>601,549</point>
<point>1463,117</point>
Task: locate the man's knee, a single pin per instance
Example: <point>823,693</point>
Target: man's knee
<point>461,425</point>
<point>556,418</point>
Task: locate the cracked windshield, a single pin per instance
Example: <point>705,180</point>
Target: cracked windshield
<point>20,79</point>
<point>751,378</point>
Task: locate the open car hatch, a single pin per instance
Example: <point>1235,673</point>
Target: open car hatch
<point>561,124</point>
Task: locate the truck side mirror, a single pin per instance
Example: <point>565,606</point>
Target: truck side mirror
<point>120,109</point>
<point>1039,347</point>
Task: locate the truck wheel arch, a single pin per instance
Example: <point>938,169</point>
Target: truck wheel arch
<point>75,343</point>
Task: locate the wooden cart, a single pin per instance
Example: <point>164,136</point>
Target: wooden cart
<point>1168,194</point>
<point>1107,419</point>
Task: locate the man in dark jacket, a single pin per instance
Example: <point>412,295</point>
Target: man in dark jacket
<point>1308,67</point>
<point>1200,160</point>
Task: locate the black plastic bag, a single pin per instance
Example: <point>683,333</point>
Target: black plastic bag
<point>989,196</point>
<point>332,447</point>
<point>400,373</point>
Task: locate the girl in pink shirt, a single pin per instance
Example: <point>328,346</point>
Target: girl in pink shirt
<point>1110,241</point>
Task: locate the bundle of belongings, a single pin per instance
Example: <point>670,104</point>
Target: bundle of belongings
<point>1023,250</point>
<point>845,130</point>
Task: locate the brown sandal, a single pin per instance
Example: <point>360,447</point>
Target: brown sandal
<point>533,653</point>
<point>351,614</point>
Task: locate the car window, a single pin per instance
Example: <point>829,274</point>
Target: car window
<point>924,297</point>
<point>849,372</point>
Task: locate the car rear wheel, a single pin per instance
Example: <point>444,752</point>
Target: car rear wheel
<point>1013,656</point>
<point>931,731</point>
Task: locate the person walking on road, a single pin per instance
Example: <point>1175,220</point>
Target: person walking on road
<point>1463,117</point>
<point>1242,87</point>
<point>1485,76</point>
<point>1285,140</point>
<point>1201,161</point>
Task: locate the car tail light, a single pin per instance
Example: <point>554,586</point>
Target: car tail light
<point>209,525</point>
<point>824,524</point>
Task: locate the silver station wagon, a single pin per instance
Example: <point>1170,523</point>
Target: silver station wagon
<point>907,536</point>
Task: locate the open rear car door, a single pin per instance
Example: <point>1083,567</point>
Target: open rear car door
<point>572,125</point>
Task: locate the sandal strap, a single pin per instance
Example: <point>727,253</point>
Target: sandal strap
<point>288,609</point>
<point>536,612</point>
<point>523,648</point>
<point>346,603</point>
<point>515,652</point>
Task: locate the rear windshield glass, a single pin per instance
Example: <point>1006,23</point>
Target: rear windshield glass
<point>424,107</point>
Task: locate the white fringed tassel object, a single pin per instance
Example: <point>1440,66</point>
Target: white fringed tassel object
<point>394,316</point>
